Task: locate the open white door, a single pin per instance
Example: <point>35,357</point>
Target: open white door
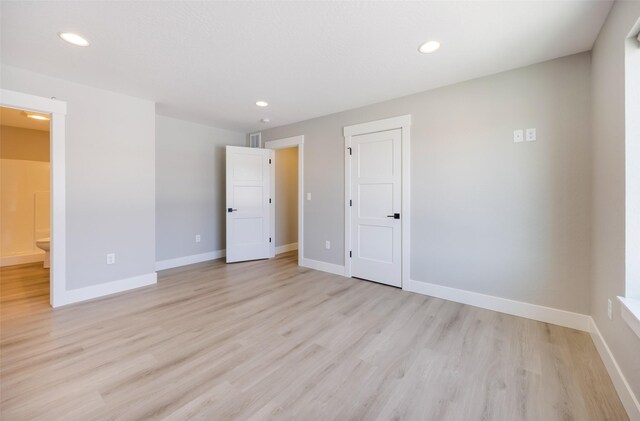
<point>376,188</point>
<point>248,207</point>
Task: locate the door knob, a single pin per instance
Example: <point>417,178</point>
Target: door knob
<point>394,216</point>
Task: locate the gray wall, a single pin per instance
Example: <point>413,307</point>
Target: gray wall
<point>490,216</point>
<point>190,186</point>
<point>608,223</point>
<point>110,164</point>
<point>286,196</point>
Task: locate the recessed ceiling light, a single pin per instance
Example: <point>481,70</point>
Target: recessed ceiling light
<point>262,103</point>
<point>429,47</point>
<point>264,120</point>
<point>38,117</point>
<point>74,39</point>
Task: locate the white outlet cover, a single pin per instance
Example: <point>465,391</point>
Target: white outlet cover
<point>531,135</point>
<point>327,245</point>
<point>197,238</point>
<point>518,136</point>
<point>111,258</point>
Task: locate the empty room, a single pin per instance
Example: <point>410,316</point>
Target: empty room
<point>320,210</point>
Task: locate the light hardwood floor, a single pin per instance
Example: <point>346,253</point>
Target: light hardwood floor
<point>268,340</point>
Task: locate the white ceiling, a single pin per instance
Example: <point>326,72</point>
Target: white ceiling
<point>210,61</point>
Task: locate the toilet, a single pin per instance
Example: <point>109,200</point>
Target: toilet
<point>45,245</point>
<point>42,226</point>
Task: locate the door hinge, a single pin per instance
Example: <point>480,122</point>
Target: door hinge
<point>349,150</point>
<point>350,253</point>
<point>269,200</point>
<point>350,202</point>
<point>269,160</point>
<point>269,239</point>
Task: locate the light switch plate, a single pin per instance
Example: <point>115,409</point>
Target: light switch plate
<point>308,196</point>
<point>518,136</point>
<point>531,135</point>
<point>111,258</point>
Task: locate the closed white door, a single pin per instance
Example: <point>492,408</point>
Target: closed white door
<point>248,203</point>
<point>376,236</point>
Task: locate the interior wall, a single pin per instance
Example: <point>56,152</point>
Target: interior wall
<point>488,215</point>
<point>24,173</point>
<point>190,187</point>
<point>110,177</point>
<point>632,163</point>
<point>608,222</point>
<point>286,196</point>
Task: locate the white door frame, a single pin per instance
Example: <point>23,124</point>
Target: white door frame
<point>403,123</point>
<point>57,110</point>
<point>289,142</point>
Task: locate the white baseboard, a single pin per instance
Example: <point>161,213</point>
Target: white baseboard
<point>629,400</point>
<point>189,260</point>
<point>287,247</point>
<point>323,266</point>
<point>21,259</point>
<point>108,288</point>
<point>503,305</point>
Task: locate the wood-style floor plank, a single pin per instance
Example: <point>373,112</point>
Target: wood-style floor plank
<point>268,340</point>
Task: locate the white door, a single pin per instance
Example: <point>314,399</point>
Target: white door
<point>376,236</point>
<point>248,203</point>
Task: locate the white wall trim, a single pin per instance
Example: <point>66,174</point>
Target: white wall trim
<point>629,400</point>
<point>32,102</point>
<point>503,305</point>
<point>286,247</point>
<point>107,288</point>
<point>57,111</point>
<point>21,259</point>
<point>404,123</point>
<point>378,125</point>
<point>630,312</point>
<point>189,260</point>
<point>324,266</point>
<point>290,142</point>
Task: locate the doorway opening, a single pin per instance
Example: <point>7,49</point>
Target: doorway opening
<point>35,198</point>
<point>287,217</point>
<point>25,223</point>
<point>286,201</point>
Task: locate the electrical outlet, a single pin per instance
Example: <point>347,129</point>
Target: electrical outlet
<point>530,135</point>
<point>111,258</point>
<point>197,238</point>
<point>518,136</point>
<point>609,309</point>
<point>327,245</point>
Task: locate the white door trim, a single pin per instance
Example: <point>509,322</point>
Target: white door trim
<point>57,110</point>
<point>290,142</point>
<point>403,123</point>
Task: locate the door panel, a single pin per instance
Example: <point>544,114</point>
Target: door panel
<point>376,177</point>
<point>375,200</point>
<point>248,209</point>
<point>376,243</point>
